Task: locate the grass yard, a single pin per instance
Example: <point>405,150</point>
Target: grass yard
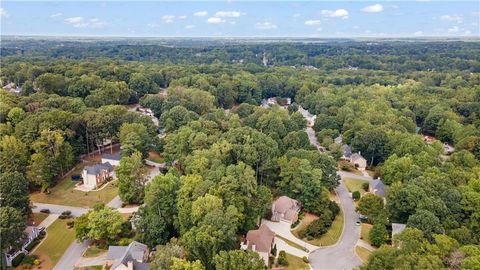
<point>328,239</point>
<point>57,240</point>
<point>95,267</point>
<point>36,218</point>
<point>93,251</point>
<point>290,243</point>
<point>354,185</point>
<point>63,193</point>
<point>363,253</point>
<point>365,232</point>
<point>155,157</point>
<point>296,263</point>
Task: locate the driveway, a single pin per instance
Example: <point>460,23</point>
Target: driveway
<point>283,229</point>
<point>282,245</point>
<point>71,256</point>
<point>85,262</point>
<point>342,255</point>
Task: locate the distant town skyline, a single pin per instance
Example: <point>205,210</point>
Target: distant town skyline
<point>241,19</point>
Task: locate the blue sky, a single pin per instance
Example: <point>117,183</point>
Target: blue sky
<point>241,18</point>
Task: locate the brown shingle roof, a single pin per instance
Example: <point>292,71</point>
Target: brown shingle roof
<point>262,238</point>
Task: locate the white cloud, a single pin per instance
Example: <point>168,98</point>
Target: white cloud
<point>168,18</point>
<point>341,13</point>
<point>200,13</point>
<point>418,33</point>
<point>215,20</point>
<point>453,30</point>
<point>190,26</point>
<point>3,13</point>
<point>81,22</point>
<point>373,8</point>
<point>55,15</point>
<point>296,15</point>
<point>452,18</point>
<point>223,14</point>
<point>312,22</point>
<point>265,25</point>
<point>183,17</point>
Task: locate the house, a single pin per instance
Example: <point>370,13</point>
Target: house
<point>397,228</point>
<point>359,161</point>
<point>308,116</point>
<point>347,151</point>
<point>12,88</point>
<point>428,139</point>
<point>113,159</point>
<point>96,175</point>
<point>377,187</point>
<point>285,209</point>
<point>131,257</point>
<point>31,232</point>
<point>338,140</point>
<point>260,241</point>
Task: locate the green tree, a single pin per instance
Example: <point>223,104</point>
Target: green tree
<point>373,144</point>
<point>15,115</point>
<point>14,192</point>
<point>13,155</point>
<point>132,177</point>
<point>134,138</point>
<point>378,234</point>
<point>182,264</point>
<point>163,257</point>
<point>425,221</point>
<point>155,223</point>
<point>371,206</point>
<point>238,260</point>
<point>12,227</point>
<point>102,225</point>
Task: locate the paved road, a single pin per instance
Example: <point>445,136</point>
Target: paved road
<point>342,255</point>
<point>313,139</point>
<point>71,256</point>
<point>58,209</point>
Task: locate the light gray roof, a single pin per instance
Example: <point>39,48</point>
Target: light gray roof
<point>338,140</point>
<point>356,157</point>
<point>116,156</point>
<point>347,151</point>
<point>132,253</point>
<point>115,252</point>
<point>97,168</point>
<point>398,228</point>
<point>378,187</point>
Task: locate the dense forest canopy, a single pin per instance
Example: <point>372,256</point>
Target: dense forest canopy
<point>231,156</point>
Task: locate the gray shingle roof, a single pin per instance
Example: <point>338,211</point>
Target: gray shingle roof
<point>378,187</point>
<point>132,253</point>
<point>116,156</point>
<point>97,168</point>
<point>347,151</point>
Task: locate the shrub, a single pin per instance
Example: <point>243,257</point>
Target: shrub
<point>378,234</point>
<point>356,195</point>
<point>282,258</point>
<point>305,259</point>
<point>32,244</point>
<point>334,208</point>
<point>46,211</point>
<point>346,166</point>
<point>36,262</point>
<point>17,260</point>
<point>274,250</point>
<point>29,260</point>
<point>319,226</point>
<point>70,224</point>
<point>365,186</point>
<point>124,241</point>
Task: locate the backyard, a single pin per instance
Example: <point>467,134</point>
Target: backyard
<point>57,240</point>
<point>329,238</point>
<point>63,193</point>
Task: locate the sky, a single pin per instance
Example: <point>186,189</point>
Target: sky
<point>327,19</point>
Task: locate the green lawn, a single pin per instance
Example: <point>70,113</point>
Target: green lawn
<point>366,232</point>
<point>57,240</point>
<point>328,239</point>
<point>93,251</point>
<point>95,267</point>
<point>363,253</point>
<point>354,184</point>
<point>63,193</point>
<point>296,263</point>
<point>36,218</point>
<point>295,245</point>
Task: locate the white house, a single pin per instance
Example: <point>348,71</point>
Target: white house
<point>308,116</point>
<point>94,176</point>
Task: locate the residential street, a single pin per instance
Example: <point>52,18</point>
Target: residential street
<point>71,256</point>
<point>58,209</point>
<point>342,255</point>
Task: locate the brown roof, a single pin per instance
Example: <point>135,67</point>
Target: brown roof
<point>262,238</point>
<point>283,204</point>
